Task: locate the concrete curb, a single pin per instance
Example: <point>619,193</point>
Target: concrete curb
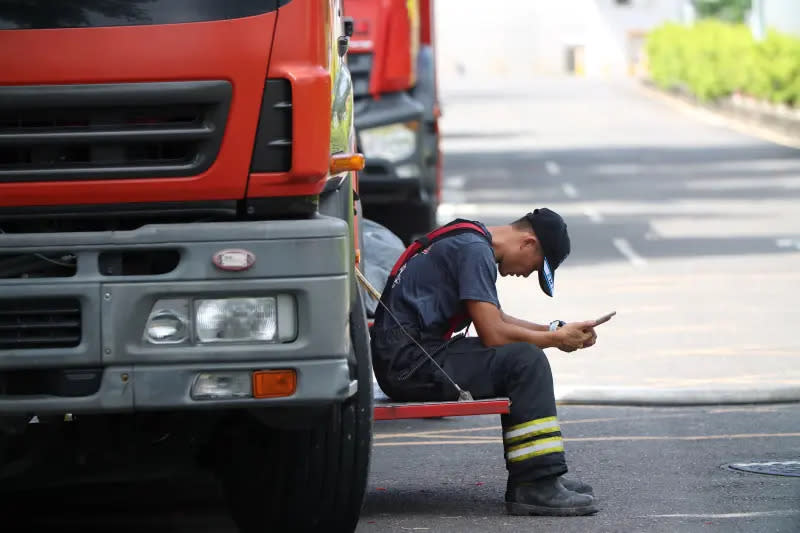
<point>675,396</point>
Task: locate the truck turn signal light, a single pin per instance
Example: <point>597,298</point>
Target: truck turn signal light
<point>274,383</point>
<point>344,162</point>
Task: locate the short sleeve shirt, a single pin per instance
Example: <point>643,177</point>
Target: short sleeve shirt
<point>430,291</point>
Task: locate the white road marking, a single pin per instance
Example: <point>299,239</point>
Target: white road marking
<point>593,214</point>
<point>782,210</point>
<point>788,243</point>
<point>454,182</point>
<point>625,248</point>
<point>552,168</point>
<point>570,190</point>
<point>787,512</point>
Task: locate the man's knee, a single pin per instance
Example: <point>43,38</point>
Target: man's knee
<point>527,357</point>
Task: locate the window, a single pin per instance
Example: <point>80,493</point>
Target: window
<point>41,14</point>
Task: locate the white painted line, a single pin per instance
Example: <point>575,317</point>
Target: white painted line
<point>784,243</point>
<point>624,247</point>
<point>570,190</point>
<point>454,196</point>
<point>552,168</point>
<point>754,514</point>
<point>454,182</point>
<point>594,215</point>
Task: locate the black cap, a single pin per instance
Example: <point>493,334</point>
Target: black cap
<point>551,230</point>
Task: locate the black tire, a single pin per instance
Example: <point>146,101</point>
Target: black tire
<point>311,479</point>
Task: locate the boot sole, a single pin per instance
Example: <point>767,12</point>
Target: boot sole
<point>524,509</point>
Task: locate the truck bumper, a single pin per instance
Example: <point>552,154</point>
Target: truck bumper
<point>119,371</point>
<point>390,182</point>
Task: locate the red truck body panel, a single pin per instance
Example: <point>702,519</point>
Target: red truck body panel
<point>390,29</point>
<point>238,50</point>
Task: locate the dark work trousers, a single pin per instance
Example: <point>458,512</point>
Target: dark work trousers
<point>520,371</point>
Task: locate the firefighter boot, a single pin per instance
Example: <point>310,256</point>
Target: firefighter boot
<point>574,485</point>
<point>547,497</point>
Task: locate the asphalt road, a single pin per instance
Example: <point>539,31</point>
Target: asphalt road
<point>653,469</point>
<point>687,228</point>
<point>634,177</point>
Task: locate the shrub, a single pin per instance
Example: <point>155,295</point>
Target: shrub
<point>713,59</point>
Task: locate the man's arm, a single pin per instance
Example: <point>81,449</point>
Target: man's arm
<point>522,323</point>
<point>494,331</point>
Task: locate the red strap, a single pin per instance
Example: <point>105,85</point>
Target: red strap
<point>410,251</point>
<point>418,245</point>
<point>415,246</point>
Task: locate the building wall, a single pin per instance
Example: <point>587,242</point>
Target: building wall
<point>783,15</point>
<point>532,37</point>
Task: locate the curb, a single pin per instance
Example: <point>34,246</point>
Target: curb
<point>675,396</point>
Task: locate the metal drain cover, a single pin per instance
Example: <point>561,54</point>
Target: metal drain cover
<point>774,468</point>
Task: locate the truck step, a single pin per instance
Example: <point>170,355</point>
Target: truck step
<point>386,409</point>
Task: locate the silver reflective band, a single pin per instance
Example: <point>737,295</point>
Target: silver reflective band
<point>543,447</point>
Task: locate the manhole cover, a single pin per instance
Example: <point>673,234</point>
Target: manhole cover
<point>774,468</point>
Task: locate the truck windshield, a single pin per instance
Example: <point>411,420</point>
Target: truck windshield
<point>45,14</point>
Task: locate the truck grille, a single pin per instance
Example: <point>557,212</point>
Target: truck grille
<point>110,131</point>
<point>360,66</point>
<point>51,323</point>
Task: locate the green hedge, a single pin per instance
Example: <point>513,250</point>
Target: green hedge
<point>713,59</point>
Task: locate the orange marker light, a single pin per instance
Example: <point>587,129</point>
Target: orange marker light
<point>345,162</point>
<point>274,383</point>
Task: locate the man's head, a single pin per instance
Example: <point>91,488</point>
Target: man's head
<point>537,242</point>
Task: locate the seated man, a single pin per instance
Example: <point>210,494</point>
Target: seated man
<point>452,282</point>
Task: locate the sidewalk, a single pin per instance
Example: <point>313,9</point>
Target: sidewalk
<point>688,331</point>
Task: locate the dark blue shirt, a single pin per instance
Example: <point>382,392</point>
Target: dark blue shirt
<point>430,290</point>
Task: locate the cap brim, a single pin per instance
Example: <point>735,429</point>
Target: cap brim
<point>546,278</point>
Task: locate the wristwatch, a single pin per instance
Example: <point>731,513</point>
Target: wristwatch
<point>555,324</point>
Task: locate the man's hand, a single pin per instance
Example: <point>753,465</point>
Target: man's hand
<point>576,335</point>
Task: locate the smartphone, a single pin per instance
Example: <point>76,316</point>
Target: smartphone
<point>605,318</point>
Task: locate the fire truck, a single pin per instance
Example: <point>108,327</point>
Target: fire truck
<point>178,242</point>
<point>397,112</point>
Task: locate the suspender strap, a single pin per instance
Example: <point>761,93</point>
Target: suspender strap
<point>455,227</point>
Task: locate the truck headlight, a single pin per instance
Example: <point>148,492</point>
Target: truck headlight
<point>394,142</point>
<point>269,319</point>
<point>168,322</point>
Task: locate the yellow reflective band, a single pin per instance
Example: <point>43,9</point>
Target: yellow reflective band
<point>533,427</point>
<point>550,429</point>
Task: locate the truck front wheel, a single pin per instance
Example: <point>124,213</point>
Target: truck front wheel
<point>310,479</point>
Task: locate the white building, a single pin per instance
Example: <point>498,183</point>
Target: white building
<point>782,15</point>
<point>529,37</point>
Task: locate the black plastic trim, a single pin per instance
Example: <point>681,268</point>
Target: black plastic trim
<point>272,150</point>
<point>105,134</point>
